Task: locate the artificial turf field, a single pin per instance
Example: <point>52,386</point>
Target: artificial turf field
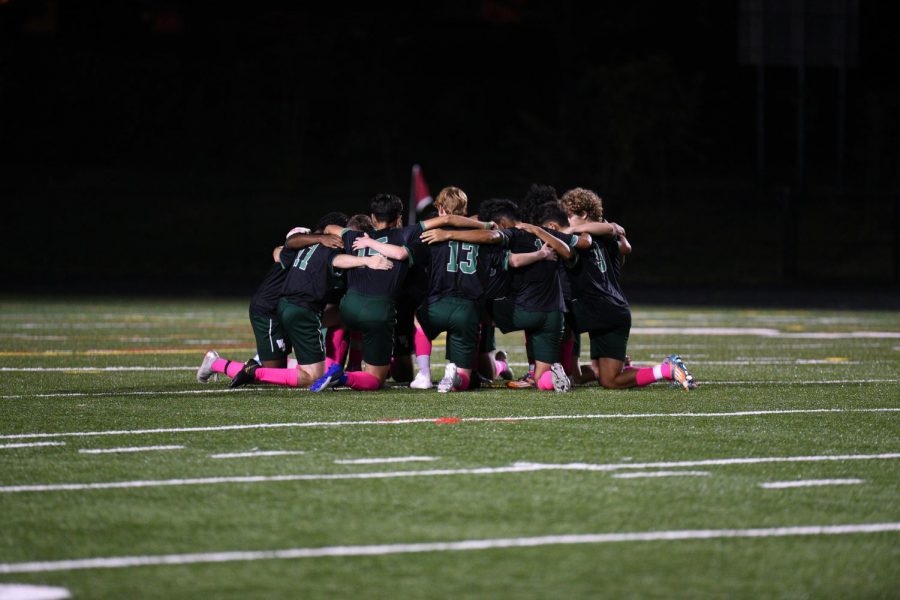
<point>265,492</point>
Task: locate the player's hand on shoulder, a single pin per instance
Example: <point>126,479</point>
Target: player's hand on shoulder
<point>379,262</point>
<point>332,241</point>
<point>548,253</point>
<point>435,236</point>
<point>362,242</point>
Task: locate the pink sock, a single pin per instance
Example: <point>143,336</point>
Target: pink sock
<point>421,343</point>
<point>286,377</point>
<point>360,380</point>
<point>329,362</point>
<point>501,366</point>
<point>546,381</point>
<point>648,375</point>
<point>229,367</point>
<point>566,355</point>
<point>464,381</point>
<point>336,344</point>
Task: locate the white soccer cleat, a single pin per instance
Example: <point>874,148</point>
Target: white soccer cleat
<point>561,381</point>
<point>450,379</point>
<point>205,371</point>
<point>421,382</point>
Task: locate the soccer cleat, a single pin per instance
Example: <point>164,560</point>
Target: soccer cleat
<point>205,371</point>
<point>627,361</point>
<point>561,381</point>
<point>245,375</point>
<point>507,374</point>
<point>679,372</point>
<point>421,382</point>
<point>450,379</point>
<point>331,378</point>
<point>523,383</point>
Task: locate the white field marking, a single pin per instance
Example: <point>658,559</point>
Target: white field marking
<point>268,389</point>
<point>778,485</point>
<point>744,413</point>
<point>788,382</point>
<point>21,591</point>
<point>254,453</point>
<point>661,474</point>
<point>519,467</point>
<point>31,445</point>
<point>121,562</point>
<point>128,449</point>
<point>376,461</point>
<point>213,390</point>
<point>89,369</point>
<point>763,332</point>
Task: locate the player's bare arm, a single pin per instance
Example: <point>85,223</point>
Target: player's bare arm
<point>523,259</point>
<point>302,240</point>
<point>350,261</point>
<point>390,250</point>
<point>472,236</point>
<point>562,250</point>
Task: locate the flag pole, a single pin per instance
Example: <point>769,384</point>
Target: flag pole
<point>412,195</point>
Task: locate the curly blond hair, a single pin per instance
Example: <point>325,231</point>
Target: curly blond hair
<point>453,200</point>
<point>580,200</point>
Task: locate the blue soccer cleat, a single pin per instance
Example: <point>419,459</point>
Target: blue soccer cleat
<point>333,376</point>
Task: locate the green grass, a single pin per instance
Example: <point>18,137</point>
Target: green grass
<point>741,373</point>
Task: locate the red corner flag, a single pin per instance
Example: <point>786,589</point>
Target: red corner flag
<point>419,196</point>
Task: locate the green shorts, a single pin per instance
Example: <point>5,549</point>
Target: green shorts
<point>374,317</point>
<point>607,326</point>
<point>304,329</point>
<point>544,328</point>
<point>271,343</point>
<point>459,318</point>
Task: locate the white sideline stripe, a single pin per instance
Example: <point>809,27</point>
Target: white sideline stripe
<point>30,445</point>
<point>744,413</point>
<point>21,591</point>
<point>763,332</point>
<point>661,474</point>
<point>274,388</point>
<point>777,485</point>
<point>519,467</point>
<point>257,453</point>
<point>215,390</point>
<point>128,449</point>
<point>89,369</point>
<point>120,562</point>
<point>376,461</point>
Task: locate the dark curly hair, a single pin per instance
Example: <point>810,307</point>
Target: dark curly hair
<point>332,218</point>
<point>536,196</point>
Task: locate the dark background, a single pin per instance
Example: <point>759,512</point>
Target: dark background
<point>166,147</point>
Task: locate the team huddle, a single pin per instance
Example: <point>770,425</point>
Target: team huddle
<point>356,297</point>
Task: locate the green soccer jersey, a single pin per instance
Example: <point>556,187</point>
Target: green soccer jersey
<point>311,277</point>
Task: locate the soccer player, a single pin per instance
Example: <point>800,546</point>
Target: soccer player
<point>309,282</point>
<point>599,306</point>
<point>272,347</point>
<point>534,303</point>
<point>369,306</point>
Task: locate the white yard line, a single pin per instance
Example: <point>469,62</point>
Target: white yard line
<point>31,445</point>
<point>255,453</point>
<point>120,562</point>
<point>128,449</point>
<point>778,485</point>
<point>238,427</point>
<point>273,388</point>
<point>377,461</point>
<point>21,591</point>
<point>89,369</point>
<point>661,474</point>
<point>763,332</point>
<point>521,467</point>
